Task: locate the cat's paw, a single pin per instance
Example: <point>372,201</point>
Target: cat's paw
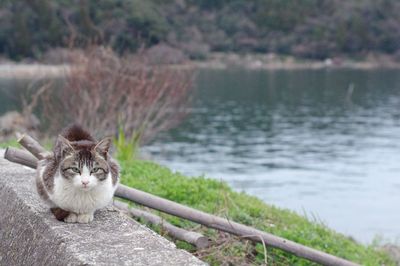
<point>85,218</point>
<point>71,218</point>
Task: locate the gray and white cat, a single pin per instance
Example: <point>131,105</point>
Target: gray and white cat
<point>79,178</point>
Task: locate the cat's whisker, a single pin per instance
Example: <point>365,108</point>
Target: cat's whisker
<point>80,178</point>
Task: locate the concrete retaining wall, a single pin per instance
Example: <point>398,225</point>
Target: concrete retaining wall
<point>30,235</point>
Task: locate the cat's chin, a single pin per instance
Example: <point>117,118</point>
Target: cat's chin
<point>86,189</point>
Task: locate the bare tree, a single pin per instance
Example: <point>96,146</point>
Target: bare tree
<point>105,92</point>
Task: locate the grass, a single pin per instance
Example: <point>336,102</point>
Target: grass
<point>46,143</point>
<point>217,197</point>
<point>9,143</point>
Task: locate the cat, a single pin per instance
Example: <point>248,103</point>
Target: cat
<point>79,177</point>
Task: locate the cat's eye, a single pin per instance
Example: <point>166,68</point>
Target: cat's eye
<point>75,170</point>
<point>97,170</point>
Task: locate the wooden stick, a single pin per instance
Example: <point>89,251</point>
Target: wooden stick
<point>225,225</point>
<point>222,224</point>
<point>33,146</point>
<point>21,157</point>
<point>193,238</point>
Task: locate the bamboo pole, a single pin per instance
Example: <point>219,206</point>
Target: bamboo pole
<point>193,238</point>
<point>222,224</point>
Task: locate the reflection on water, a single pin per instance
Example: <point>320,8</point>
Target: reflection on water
<point>299,139</point>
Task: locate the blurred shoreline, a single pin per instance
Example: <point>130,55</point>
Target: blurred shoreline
<point>282,62</point>
<point>32,71</point>
<point>18,70</point>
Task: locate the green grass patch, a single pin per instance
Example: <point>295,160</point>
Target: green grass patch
<point>9,143</point>
<point>46,143</point>
<point>218,198</point>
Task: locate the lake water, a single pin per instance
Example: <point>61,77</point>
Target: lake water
<point>325,143</point>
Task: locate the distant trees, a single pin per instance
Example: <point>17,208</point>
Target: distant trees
<point>305,28</point>
<point>30,27</point>
<point>27,27</point>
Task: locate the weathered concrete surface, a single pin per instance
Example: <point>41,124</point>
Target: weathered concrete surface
<point>30,235</point>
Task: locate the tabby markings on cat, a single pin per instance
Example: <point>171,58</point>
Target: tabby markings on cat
<point>79,178</point>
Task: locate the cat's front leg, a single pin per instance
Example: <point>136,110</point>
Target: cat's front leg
<point>71,218</point>
<point>85,218</point>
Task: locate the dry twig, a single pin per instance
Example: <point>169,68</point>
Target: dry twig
<point>106,91</point>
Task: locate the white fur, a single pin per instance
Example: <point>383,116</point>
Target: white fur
<point>42,168</point>
<point>82,200</point>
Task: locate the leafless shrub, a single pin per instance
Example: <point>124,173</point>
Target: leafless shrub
<point>61,55</point>
<point>26,96</point>
<point>105,92</point>
<point>164,54</point>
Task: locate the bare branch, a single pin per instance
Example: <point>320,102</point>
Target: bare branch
<point>106,90</point>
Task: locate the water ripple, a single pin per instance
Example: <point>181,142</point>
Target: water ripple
<point>292,139</point>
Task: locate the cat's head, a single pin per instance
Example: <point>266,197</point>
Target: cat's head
<point>84,163</point>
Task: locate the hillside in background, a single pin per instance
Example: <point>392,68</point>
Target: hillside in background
<point>315,29</point>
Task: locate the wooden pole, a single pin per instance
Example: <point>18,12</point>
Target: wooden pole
<point>225,225</point>
<point>33,146</point>
<point>193,238</point>
<point>21,157</point>
<point>222,224</point>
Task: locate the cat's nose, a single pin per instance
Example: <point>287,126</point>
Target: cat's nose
<point>85,183</point>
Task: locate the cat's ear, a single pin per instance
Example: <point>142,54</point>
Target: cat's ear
<point>103,146</point>
<point>65,146</point>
